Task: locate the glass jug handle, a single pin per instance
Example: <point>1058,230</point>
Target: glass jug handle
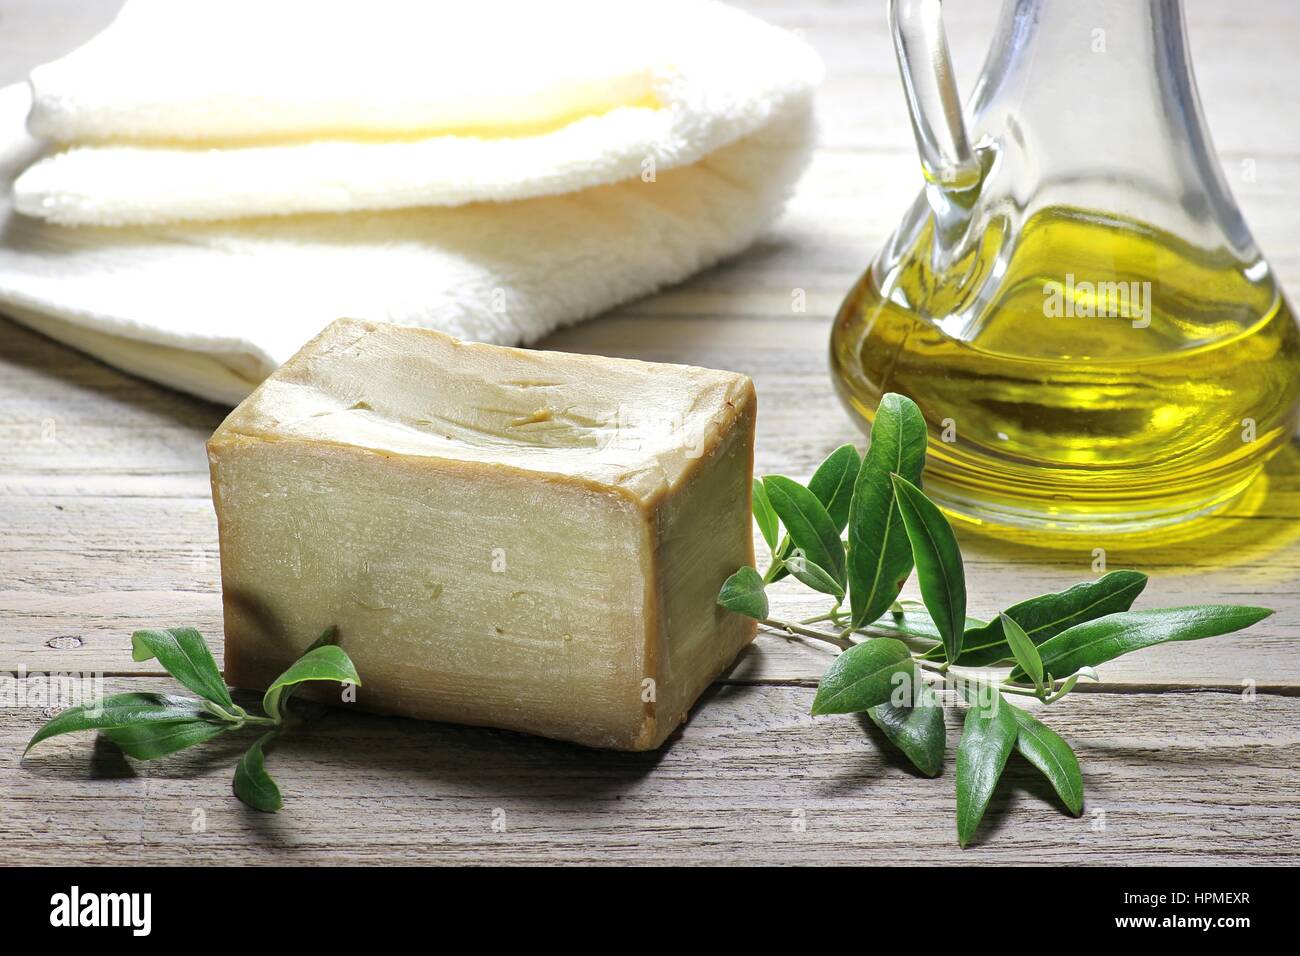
<point>932,98</point>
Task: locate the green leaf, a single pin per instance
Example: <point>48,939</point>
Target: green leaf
<point>1095,642</point>
<point>183,654</point>
<point>1069,682</point>
<point>1045,749</point>
<point>327,662</point>
<point>808,524</point>
<point>918,731</point>
<point>119,711</point>
<point>833,483</point>
<point>863,676</point>
<point>813,576</point>
<point>327,637</point>
<point>916,622</point>
<point>880,557</point>
<point>1047,615</point>
<point>987,739</point>
<point>768,525</point>
<point>149,741</point>
<point>743,593</point>
<point>939,570</point>
<point>253,785</point>
<point>1025,652</point>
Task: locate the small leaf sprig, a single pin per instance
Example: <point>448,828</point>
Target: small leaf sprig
<point>148,726</point>
<point>890,649</point>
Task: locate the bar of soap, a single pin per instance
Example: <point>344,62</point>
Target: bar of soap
<point>503,537</point>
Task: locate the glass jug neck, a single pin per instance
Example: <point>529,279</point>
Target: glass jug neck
<point>1093,103</point>
<point>1096,61</point>
<point>1099,56</point>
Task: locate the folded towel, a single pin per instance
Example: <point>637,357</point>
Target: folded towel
<point>622,146</point>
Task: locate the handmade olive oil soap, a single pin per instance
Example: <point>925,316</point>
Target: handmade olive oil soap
<point>513,538</point>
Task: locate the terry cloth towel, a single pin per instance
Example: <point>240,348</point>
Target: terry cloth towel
<point>205,185</point>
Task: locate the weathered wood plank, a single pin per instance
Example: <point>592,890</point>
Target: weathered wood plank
<point>1170,778</point>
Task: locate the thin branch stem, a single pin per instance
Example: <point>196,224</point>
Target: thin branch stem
<point>1003,686</point>
<point>261,721</point>
<point>777,564</point>
<point>946,670</point>
<point>828,616</point>
<point>790,627</point>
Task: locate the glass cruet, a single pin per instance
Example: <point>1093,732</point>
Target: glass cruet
<point>1074,300</point>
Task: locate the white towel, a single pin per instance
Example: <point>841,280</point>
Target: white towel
<point>493,170</point>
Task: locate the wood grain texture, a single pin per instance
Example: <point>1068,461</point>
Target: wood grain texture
<point>106,525</point>
<point>1170,778</point>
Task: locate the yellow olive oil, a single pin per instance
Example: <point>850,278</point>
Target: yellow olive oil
<point>1100,375</point>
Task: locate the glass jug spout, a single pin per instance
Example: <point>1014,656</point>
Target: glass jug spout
<point>1074,300</point>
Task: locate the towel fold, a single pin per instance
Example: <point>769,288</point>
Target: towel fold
<point>492,170</point>
<point>208,70</point>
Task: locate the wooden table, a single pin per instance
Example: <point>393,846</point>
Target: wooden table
<point>106,525</point>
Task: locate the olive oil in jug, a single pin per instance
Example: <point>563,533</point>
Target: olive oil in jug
<point>1074,301</point>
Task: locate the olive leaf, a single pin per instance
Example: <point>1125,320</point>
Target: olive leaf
<point>153,739</point>
<point>891,525</point>
<point>1045,749</point>
<point>119,711</point>
<point>915,622</point>
<point>1025,652</point>
<point>807,522</point>
<point>880,557</point>
<point>768,525</point>
<point>815,577</point>
<point>253,785</point>
<point>1067,685</point>
<point>939,570</point>
<point>1104,639</point>
<point>743,593</point>
<point>832,483</point>
<point>183,653</point>
<point>865,675</point>
<point>917,729</point>
<point>148,726</point>
<point>327,637</point>
<point>987,739</point>
<point>326,662</point>
<point>1047,615</point>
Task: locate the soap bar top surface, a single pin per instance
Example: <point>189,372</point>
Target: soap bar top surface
<point>634,426</point>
